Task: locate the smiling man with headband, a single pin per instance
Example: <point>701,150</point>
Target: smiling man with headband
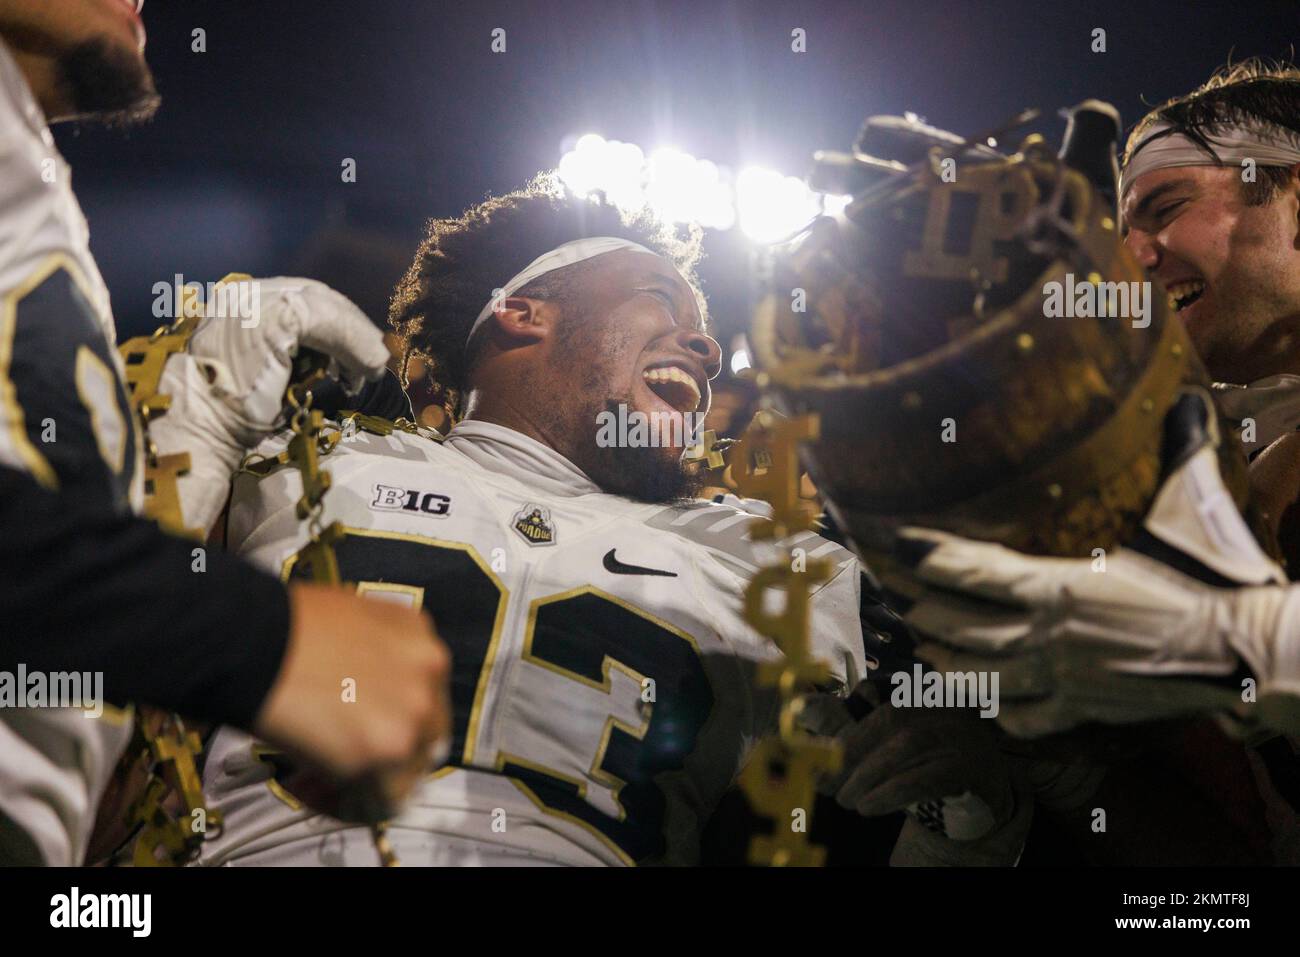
<point>1210,201</point>
<point>603,675</point>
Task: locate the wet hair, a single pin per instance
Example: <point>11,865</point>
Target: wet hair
<point>1253,89</point>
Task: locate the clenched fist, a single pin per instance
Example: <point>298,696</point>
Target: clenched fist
<point>227,388</point>
<point>363,693</point>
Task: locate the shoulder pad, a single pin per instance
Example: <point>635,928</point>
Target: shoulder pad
<point>724,529</point>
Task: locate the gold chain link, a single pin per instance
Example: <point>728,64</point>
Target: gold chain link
<point>780,778</point>
<point>304,452</point>
<point>164,840</point>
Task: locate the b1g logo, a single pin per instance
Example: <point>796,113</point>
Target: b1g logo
<point>393,498</point>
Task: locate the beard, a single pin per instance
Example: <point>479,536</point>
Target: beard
<point>646,474</point>
<point>653,474</point>
<point>109,84</point>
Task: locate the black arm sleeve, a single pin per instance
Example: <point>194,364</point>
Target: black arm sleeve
<point>83,589</point>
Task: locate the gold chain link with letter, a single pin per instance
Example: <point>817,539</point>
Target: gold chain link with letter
<point>161,740</point>
<point>780,778</point>
<point>318,556</point>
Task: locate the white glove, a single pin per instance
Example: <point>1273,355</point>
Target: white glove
<point>1121,637</point>
<point>228,387</point>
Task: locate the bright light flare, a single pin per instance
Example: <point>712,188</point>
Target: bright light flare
<point>772,206</point>
<point>682,188</point>
<point>611,166</point>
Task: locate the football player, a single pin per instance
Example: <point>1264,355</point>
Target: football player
<point>85,585</point>
<point>1210,198</point>
<point>603,675</point>
<point>1194,618</point>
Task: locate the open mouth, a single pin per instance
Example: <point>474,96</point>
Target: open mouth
<point>1183,294</point>
<point>673,386</point>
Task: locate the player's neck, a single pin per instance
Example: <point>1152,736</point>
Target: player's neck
<point>482,408</point>
<point>1273,353</point>
<point>513,444</point>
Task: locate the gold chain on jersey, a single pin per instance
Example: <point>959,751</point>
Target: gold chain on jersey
<point>145,357</point>
<point>161,739</point>
<point>318,556</point>
<point>164,839</point>
<point>780,777</point>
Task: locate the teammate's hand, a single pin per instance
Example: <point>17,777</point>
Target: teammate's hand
<point>941,765</point>
<point>1074,641</point>
<point>364,692</point>
<point>247,361</point>
<point>228,386</point>
<point>1146,632</point>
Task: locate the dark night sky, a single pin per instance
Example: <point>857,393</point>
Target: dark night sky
<point>240,170</point>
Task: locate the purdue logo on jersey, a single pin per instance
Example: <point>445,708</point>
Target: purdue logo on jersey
<point>394,498</point>
<point>534,523</point>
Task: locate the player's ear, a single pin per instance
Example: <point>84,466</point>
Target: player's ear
<point>523,320</point>
<point>1291,192</point>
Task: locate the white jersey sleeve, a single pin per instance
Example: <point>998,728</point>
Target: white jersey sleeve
<point>59,367</point>
<point>65,421</point>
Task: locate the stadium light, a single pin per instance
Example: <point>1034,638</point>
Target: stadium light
<point>771,206</point>
<point>685,189</point>
<point>596,163</point>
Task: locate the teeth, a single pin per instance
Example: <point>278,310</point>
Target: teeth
<point>1181,291</point>
<point>673,374</point>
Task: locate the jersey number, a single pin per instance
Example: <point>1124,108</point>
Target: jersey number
<point>654,694</point>
<point>63,408</point>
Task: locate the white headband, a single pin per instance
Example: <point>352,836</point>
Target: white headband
<point>1166,145</point>
<point>557,258</point>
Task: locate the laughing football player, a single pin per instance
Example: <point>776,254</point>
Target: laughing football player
<point>603,675</point>
<point>1210,199</point>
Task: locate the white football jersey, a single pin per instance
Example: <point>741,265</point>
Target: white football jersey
<point>602,673</point>
<point>66,421</point>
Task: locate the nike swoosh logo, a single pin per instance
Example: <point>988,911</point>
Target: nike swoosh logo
<point>612,564</point>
